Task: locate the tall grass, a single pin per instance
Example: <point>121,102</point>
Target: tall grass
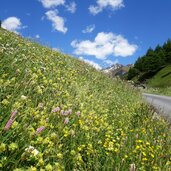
<point>161,91</point>
<point>58,113</point>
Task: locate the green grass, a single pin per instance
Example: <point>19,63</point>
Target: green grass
<point>161,82</point>
<point>100,124</point>
<point>162,79</point>
<point>161,91</point>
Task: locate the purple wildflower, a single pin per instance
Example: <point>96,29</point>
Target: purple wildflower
<point>57,109</point>
<point>39,130</point>
<point>8,125</point>
<point>66,120</point>
<point>13,114</point>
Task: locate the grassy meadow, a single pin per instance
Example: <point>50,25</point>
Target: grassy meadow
<point>58,113</point>
<point>161,82</point>
<point>161,91</point>
<point>162,79</point>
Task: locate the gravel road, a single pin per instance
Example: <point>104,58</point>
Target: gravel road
<point>161,103</point>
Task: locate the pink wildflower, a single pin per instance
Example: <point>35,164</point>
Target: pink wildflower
<point>39,130</point>
<point>66,113</point>
<point>70,111</point>
<point>66,120</point>
<point>62,112</point>
<point>78,113</point>
<point>57,109</point>
<point>13,114</point>
<point>8,125</point>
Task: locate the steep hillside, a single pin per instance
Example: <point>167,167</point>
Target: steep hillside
<point>161,82</point>
<point>162,78</point>
<point>58,113</point>
<point>153,61</point>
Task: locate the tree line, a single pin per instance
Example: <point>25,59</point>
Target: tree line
<point>149,64</point>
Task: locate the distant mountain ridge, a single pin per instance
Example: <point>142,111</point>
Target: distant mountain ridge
<point>117,70</point>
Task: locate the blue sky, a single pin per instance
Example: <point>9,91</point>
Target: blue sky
<point>101,32</point>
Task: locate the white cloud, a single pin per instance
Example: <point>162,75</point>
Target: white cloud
<point>12,24</point>
<point>52,3</point>
<point>56,49</point>
<point>102,4</point>
<point>71,7</point>
<point>89,29</point>
<point>37,36</point>
<point>105,44</point>
<point>95,9</point>
<point>110,62</point>
<point>92,63</point>
<point>123,48</point>
<point>58,22</point>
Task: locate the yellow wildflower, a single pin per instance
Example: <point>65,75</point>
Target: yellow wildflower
<point>49,167</point>
<point>2,147</point>
<point>5,102</point>
<point>59,156</point>
<point>32,169</point>
<point>13,146</point>
<point>14,125</point>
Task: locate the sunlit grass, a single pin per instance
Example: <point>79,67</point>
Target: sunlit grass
<point>162,79</point>
<point>161,91</point>
<point>58,113</point>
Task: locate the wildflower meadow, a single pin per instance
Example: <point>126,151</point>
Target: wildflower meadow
<point>59,114</point>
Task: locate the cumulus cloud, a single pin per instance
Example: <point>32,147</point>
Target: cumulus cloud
<point>92,63</point>
<point>71,7</point>
<point>52,3</point>
<point>102,4</point>
<point>104,44</point>
<point>58,22</point>
<point>89,29</point>
<point>12,24</point>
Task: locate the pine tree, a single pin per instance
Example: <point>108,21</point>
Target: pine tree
<point>152,61</point>
<point>167,49</point>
